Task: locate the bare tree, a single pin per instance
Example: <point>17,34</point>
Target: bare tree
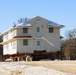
<point>21,20</point>
<point>70,45</point>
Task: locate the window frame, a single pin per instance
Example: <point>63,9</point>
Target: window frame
<point>38,29</point>
<point>51,30</point>
<point>25,30</point>
<point>25,42</point>
<point>38,43</point>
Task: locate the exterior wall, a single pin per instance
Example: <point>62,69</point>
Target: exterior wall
<point>14,32</point>
<point>54,37</point>
<point>10,48</point>
<point>9,35</point>
<point>5,37</point>
<point>25,49</point>
<point>20,32</point>
<point>5,49</point>
<point>17,46</point>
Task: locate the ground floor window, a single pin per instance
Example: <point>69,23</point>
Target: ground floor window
<point>25,42</point>
<point>38,43</point>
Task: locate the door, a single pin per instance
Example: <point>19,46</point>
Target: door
<point>38,46</point>
<point>38,36</point>
<point>38,33</point>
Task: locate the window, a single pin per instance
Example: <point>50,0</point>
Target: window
<point>38,19</point>
<point>25,42</point>
<point>51,30</point>
<point>38,30</point>
<point>25,30</point>
<point>38,43</point>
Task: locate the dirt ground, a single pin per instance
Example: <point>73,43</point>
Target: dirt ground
<point>64,66</point>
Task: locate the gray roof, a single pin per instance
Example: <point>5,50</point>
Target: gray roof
<point>23,24</point>
<point>53,24</point>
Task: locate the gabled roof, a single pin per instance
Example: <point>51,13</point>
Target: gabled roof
<point>37,18</point>
<point>50,23</point>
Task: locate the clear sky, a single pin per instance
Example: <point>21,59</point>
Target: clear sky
<point>59,11</point>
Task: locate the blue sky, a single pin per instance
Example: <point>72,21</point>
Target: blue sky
<point>59,11</point>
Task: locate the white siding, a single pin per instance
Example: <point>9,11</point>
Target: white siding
<point>17,46</point>
<point>20,32</point>
<point>10,48</point>
<point>54,37</point>
<point>6,49</point>
<point>5,37</point>
<point>14,32</point>
<point>13,47</point>
<point>25,49</point>
<point>9,35</point>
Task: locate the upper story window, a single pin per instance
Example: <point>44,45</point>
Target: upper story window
<point>25,30</point>
<point>38,19</point>
<point>25,42</point>
<point>38,29</point>
<point>51,30</point>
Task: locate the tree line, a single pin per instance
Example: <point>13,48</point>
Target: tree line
<point>69,44</point>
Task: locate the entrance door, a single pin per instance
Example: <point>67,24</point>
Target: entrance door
<point>38,47</point>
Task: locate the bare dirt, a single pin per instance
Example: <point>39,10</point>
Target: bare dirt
<point>65,66</point>
<point>38,68</point>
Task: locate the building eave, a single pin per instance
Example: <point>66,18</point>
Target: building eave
<point>61,26</point>
<point>15,38</point>
<point>22,37</point>
<point>14,28</point>
<point>8,41</point>
<point>24,27</point>
<point>6,31</point>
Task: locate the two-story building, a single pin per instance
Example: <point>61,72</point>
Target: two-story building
<point>35,34</point>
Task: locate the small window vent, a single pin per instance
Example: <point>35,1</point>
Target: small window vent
<point>38,19</point>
